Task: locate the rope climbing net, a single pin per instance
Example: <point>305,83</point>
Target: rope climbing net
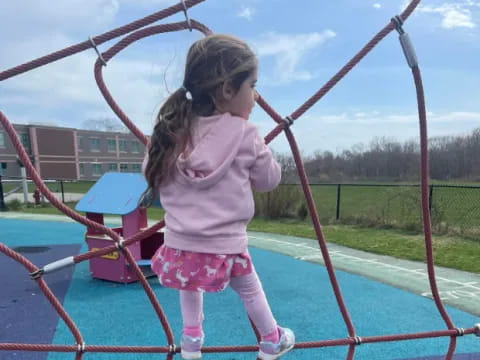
<point>138,30</point>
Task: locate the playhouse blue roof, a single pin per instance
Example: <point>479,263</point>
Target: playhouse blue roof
<point>114,193</point>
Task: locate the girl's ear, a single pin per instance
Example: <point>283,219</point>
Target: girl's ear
<point>227,91</point>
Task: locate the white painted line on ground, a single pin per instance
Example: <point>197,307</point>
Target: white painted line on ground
<point>352,258</point>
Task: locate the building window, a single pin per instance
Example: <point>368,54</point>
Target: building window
<point>94,144</point>
<point>97,169</point>
<point>2,140</point>
<point>79,143</point>
<point>122,145</point>
<point>135,146</point>
<point>136,168</point>
<point>25,139</point>
<point>82,169</point>
<point>112,167</point>
<point>112,145</point>
<point>123,167</point>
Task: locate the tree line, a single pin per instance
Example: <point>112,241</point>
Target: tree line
<point>385,159</point>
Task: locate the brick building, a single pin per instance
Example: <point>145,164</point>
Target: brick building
<point>65,153</point>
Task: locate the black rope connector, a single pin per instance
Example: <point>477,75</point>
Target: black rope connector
<point>398,22</point>
<point>94,46</point>
<point>81,348</point>
<point>477,329</point>
<point>172,349</point>
<point>289,120</point>
<point>119,245</point>
<point>36,274</point>
<point>357,340</point>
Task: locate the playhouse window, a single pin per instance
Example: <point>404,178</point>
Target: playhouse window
<point>97,169</point>
<point>111,145</point>
<point>136,168</point>
<point>123,167</point>
<point>81,168</point>
<point>112,167</point>
<point>2,140</point>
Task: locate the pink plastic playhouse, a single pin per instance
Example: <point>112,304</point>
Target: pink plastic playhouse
<point>118,194</point>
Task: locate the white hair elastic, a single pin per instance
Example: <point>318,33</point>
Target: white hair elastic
<point>188,94</point>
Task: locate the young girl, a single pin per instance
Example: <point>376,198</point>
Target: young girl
<point>204,158</point>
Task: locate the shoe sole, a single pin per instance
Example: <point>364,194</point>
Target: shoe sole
<point>191,355</point>
<point>264,356</point>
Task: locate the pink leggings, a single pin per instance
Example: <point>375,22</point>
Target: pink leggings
<point>250,290</point>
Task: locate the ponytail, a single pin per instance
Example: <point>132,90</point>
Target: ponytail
<point>170,137</point>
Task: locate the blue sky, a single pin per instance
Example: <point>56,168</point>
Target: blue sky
<point>299,45</point>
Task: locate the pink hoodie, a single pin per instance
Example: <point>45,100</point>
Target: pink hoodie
<point>209,202</point>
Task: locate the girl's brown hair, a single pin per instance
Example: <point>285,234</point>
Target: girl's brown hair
<point>210,63</point>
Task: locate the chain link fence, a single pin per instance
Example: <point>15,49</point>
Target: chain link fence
<point>455,209</point>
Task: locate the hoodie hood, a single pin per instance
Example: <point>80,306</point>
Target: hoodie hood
<point>215,143</point>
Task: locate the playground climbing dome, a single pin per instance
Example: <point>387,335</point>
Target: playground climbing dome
<point>138,30</point>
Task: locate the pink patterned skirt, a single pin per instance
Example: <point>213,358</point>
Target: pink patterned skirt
<point>187,270</point>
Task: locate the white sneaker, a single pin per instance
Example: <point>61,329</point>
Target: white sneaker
<point>191,347</point>
<point>271,351</point>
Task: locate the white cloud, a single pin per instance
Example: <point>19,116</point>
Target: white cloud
<point>377,118</point>
<point>65,92</point>
<point>136,83</point>
<point>288,51</point>
<point>44,16</point>
<point>148,3</point>
<point>377,5</point>
<point>42,27</point>
<point>247,13</point>
<point>453,14</point>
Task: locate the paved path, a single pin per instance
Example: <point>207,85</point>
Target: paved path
<point>457,288</point>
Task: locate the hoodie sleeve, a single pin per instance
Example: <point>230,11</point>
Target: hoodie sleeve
<point>265,173</point>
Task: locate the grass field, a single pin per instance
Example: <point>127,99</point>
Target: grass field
<point>453,209</point>
<point>72,187</point>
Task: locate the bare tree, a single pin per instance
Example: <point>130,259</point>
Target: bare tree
<point>451,157</point>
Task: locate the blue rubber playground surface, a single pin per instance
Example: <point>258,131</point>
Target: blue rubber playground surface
<point>115,314</point>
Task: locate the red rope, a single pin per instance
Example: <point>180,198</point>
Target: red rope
<point>99,39</point>
<point>427,228</point>
<point>353,340</point>
<point>121,45</point>
<point>353,62</point>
